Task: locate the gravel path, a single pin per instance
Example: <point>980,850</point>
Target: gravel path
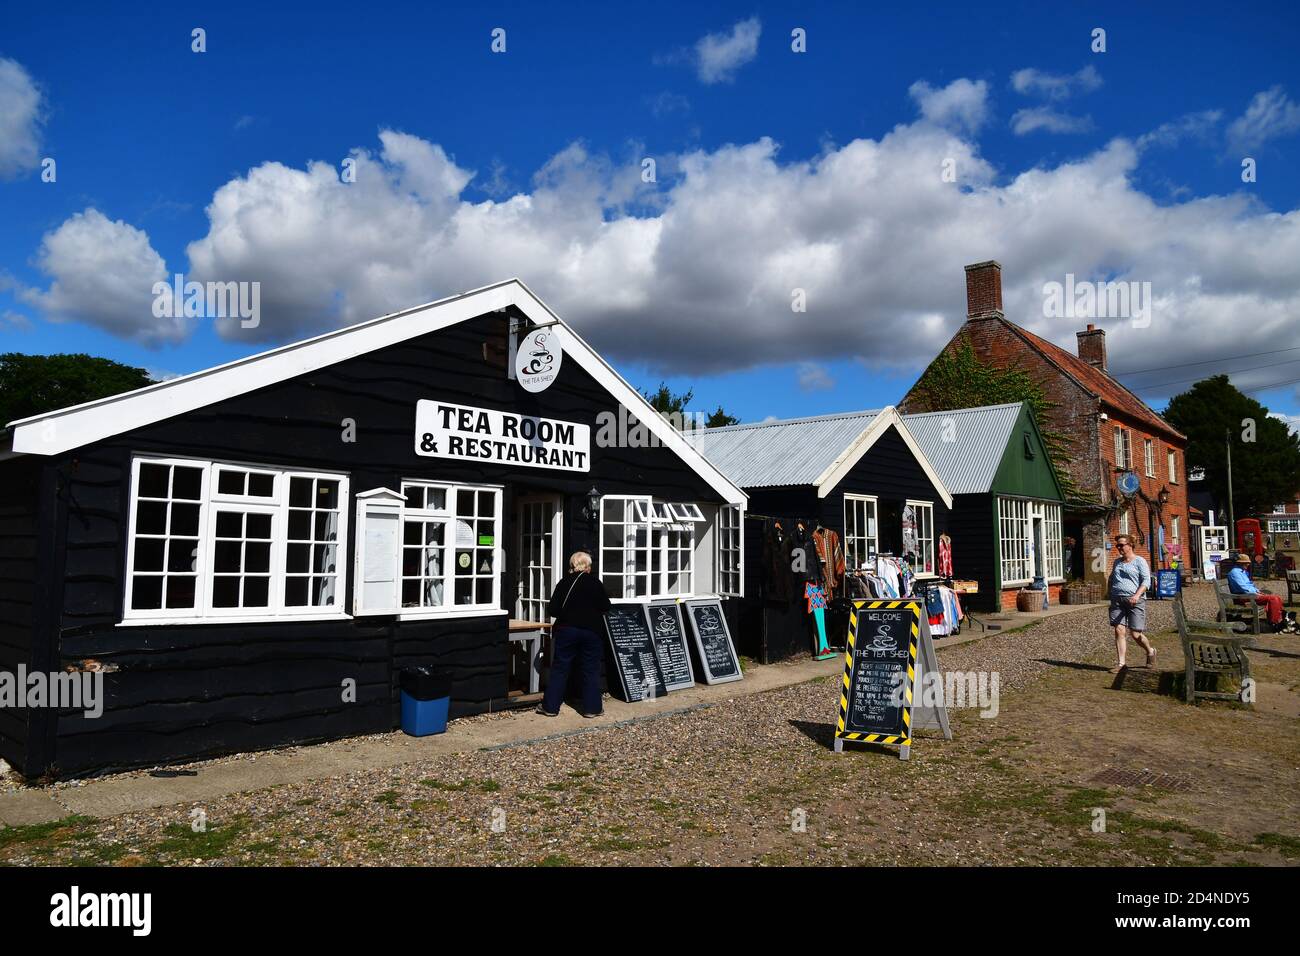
<point>721,784</point>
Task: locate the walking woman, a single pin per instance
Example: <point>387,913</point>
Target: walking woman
<point>1129,580</point>
<point>576,609</point>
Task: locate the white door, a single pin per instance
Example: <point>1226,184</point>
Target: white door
<point>540,551</point>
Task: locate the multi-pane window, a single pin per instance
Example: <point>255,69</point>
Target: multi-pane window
<point>1123,523</point>
<point>166,517</point>
<point>1053,543</point>
<point>1013,534</point>
<point>729,550</point>
<point>312,554</point>
<point>647,547</point>
<point>215,540</point>
<point>1284,524</point>
<point>1174,529</point>
<point>1123,448</point>
<point>1149,456</point>
<point>860,539</point>
<point>1173,466</point>
<point>449,546</point>
<point>920,516</point>
<point>625,545</point>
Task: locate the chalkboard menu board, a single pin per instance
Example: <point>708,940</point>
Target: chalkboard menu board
<point>881,647</point>
<point>633,652</point>
<point>669,635</point>
<point>713,641</point>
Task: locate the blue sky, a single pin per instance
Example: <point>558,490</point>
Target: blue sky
<point>775,171</point>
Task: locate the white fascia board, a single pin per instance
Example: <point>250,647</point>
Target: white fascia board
<point>595,366</point>
<point>842,465</point>
<point>55,432</point>
<point>59,431</point>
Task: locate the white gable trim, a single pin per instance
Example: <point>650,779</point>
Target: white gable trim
<point>843,464</point>
<point>60,431</point>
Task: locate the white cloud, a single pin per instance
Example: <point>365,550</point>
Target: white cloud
<point>695,275</point>
<point>719,55</point>
<point>961,104</point>
<point>20,121</point>
<point>1052,121</point>
<point>1055,86</point>
<point>814,377</point>
<point>102,273</point>
<point>1271,115</point>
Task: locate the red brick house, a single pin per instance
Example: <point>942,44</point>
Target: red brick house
<point>1111,431</point>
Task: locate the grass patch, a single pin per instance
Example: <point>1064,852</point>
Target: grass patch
<point>182,842</point>
<point>555,859</point>
<point>1288,846</point>
<point>388,798</point>
<point>54,833</point>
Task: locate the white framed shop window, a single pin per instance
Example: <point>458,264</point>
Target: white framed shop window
<point>450,549</point>
<point>730,551</point>
<point>860,537</point>
<point>216,541</point>
<point>647,547</point>
<point>923,515</point>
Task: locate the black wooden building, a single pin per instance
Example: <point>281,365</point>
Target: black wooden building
<point>252,552</point>
<point>859,474</point>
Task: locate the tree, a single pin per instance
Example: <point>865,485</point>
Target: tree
<point>33,384</point>
<point>673,407</point>
<point>718,419</point>
<point>959,379</point>
<point>1265,454</point>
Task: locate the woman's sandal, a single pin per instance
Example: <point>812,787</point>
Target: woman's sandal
<point>1151,657</point>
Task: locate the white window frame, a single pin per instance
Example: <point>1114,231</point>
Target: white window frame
<point>1014,527</point>
<point>1172,457</point>
<point>448,514</point>
<point>1123,448</point>
<point>924,544</point>
<point>209,503</point>
<point>1053,543</point>
<point>1284,525</point>
<point>670,536</point>
<point>731,551</point>
<point>1123,522</point>
<point>1174,529</point>
<point>855,532</point>
<point>1149,457</point>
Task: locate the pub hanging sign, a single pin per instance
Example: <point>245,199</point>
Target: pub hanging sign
<point>444,430</point>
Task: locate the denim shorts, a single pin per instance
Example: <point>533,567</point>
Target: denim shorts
<point>1132,616</point>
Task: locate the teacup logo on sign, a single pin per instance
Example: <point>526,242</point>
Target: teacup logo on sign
<point>537,363</point>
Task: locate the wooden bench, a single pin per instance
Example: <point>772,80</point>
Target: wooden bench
<point>1292,586</point>
<point>1208,649</point>
<point>1248,612</point>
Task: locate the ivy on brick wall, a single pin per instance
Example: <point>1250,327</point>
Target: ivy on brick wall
<point>959,379</point>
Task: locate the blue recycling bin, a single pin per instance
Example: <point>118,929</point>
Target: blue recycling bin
<point>426,699</point>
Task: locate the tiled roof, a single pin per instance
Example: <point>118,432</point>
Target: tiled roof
<point>1097,382</point>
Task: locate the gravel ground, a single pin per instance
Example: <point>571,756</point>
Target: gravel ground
<point>725,784</point>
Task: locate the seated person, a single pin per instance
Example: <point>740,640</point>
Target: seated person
<point>1239,582</point>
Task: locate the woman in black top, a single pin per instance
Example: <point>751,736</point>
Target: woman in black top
<point>576,609</point>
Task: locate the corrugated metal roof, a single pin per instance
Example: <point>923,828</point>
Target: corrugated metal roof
<point>793,451</point>
<point>968,462</point>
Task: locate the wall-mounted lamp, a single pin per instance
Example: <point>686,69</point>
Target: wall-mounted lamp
<point>593,504</point>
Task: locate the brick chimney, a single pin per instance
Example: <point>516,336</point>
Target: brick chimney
<point>1092,346</point>
<point>984,290</point>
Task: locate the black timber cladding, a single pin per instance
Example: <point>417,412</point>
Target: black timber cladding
<point>191,690</point>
